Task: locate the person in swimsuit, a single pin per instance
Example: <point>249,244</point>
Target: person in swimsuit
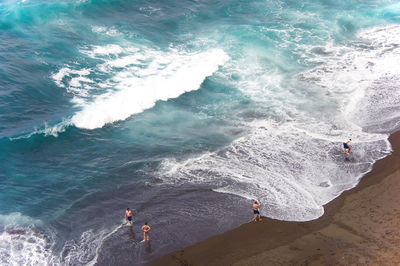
<point>256,211</point>
<point>347,146</point>
<point>146,232</point>
<point>128,215</point>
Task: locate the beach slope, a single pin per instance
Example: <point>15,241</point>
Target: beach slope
<point>361,226</point>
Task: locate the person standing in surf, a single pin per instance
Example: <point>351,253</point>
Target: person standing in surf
<point>347,146</point>
<point>128,215</point>
<point>256,211</point>
<point>146,232</point>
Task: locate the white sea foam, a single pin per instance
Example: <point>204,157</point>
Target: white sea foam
<point>47,130</point>
<point>290,172</point>
<point>364,79</point>
<point>86,249</point>
<point>106,31</point>
<point>25,246</point>
<point>22,244</point>
<point>292,161</point>
<point>75,80</point>
<point>139,79</point>
<point>110,49</point>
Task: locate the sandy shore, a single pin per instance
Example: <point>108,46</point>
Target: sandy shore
<point>361,227</point>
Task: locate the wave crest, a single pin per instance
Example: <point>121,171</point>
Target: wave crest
<point>139,78</point>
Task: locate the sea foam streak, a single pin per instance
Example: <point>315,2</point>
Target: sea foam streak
<point>139,79</point>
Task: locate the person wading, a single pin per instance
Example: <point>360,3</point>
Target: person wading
<point>347,146</point>
<point>146,231</point>
<point>256,211</point>
<point>128,215</point>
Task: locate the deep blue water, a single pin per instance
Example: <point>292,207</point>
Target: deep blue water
<point>183,111</point>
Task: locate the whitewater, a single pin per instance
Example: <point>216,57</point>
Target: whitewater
<point>183,111</point>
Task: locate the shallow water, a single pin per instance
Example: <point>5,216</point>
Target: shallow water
<point>184,112</point>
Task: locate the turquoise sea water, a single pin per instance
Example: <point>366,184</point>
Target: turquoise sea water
<point>184,111</point>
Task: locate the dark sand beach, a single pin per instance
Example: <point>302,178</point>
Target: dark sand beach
<point>360,227</point>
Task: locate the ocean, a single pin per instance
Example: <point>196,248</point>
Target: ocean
<point>185,112</point>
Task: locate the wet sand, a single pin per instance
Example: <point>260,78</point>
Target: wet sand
<point>360,227</point>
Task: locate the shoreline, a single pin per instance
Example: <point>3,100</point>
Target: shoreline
<point>360,226</point>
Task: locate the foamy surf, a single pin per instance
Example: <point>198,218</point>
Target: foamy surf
<point>363,78</point>
<point>139,79</point>
<point>86,249</point>
<point>291,173</point>
<point>292,161</point>
<point>22,244</point>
